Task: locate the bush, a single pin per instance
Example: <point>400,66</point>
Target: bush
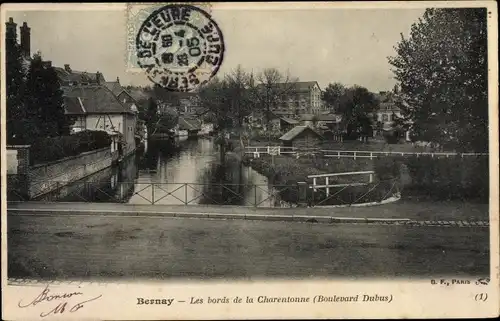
<point>439,178</point>
<point>387,167</point>
<point>392,139</point>
<point>55,148</point>
<point>286,172</point>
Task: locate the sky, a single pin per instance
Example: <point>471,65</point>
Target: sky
<point>350,46</point>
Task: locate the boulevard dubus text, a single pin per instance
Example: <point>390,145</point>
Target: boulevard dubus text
<point>263,299</point>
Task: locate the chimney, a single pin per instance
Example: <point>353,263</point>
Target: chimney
<point>67,68</point>
<point>11,31</point>
<point>98,77</point>
<point>47,64</point>
<point>25,40</point>
<point>117,79</point>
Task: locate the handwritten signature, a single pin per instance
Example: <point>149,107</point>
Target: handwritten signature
<point>61,307</point>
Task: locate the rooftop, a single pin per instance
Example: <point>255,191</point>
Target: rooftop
<point>92,99</point>
<point>297,130</point>
<point>299,86</point>
<point>187,123</point>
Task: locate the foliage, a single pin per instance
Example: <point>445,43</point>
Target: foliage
<point>355,106</point>
<point>285,172</point>
<point>44,103</point>
<point>150,115</point>
<point>158,120</point>
<point>332,95</point>
<point>228,103</point>
<point>227,100</point>
<point>55,148</point>
<point>272,89</point>
<point>35,102</point>
<point>387,167</point>
<point>14,92</point>
<point>442,70</point>
<point>439,178</point>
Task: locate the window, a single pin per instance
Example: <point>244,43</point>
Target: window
<point>385,117</point>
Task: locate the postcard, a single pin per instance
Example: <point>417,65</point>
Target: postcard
<point>301,160</point>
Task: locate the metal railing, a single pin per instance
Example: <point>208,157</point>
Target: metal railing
<point>356,193</point>
<point>249,195</point>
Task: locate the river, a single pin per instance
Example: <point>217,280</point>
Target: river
<point>186,172</point>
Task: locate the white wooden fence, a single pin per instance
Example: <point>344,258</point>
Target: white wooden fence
<point>327,177</point>
<point>282,150</point>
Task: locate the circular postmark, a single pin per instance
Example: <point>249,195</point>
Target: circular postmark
<point>180,47</point>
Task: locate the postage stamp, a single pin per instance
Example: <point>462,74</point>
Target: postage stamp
<point>178,46</point>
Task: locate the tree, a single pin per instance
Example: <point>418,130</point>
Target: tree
<point>215,97</point>
<point>14,92</point>
<point>44,114</point>
<point>228,102</point>
<point>271,90</point>
<point>151,116</point>
<point>238,83</point>
<point>443,75</point>
<point>332,95</point>
<point>355,106</point>
<point>165,97</point>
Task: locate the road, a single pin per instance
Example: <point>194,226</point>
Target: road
<point>67,247</point>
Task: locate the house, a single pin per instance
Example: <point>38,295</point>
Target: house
<point>301,137</point>
<point>97,108</point>
<point>122,94</point>
<point>387,114</point>
<point>287,123</point>
<point>297,98</point>
<point>68,77</point>
<point>188,126</point>
<point>190,103</point>
<point>388,109</point>
<point>329,121</point>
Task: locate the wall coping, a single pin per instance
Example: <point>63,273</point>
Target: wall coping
<point>69,158</point>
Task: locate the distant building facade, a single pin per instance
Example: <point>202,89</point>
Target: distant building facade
<point>297,98</point>
<point>388,109</point>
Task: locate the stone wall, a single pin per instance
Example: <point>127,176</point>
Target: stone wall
<point>44,178</point>
<point>17,171</point>
<point>47,177</point>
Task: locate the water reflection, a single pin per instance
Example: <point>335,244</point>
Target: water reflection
<point>190,173</point>
<point>113,184</point>
<point>173,173</point>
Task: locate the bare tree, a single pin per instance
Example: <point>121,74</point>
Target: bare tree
<point>238,82</point>
<point>272,89</point>
<point>228,102</point>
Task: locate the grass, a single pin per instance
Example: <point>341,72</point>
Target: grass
<point>381,146</point>
<point>289,168</point>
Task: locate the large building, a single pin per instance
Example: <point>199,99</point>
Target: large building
<point>296,98</point>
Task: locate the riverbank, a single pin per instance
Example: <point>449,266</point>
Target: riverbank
<point>285,173</point>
